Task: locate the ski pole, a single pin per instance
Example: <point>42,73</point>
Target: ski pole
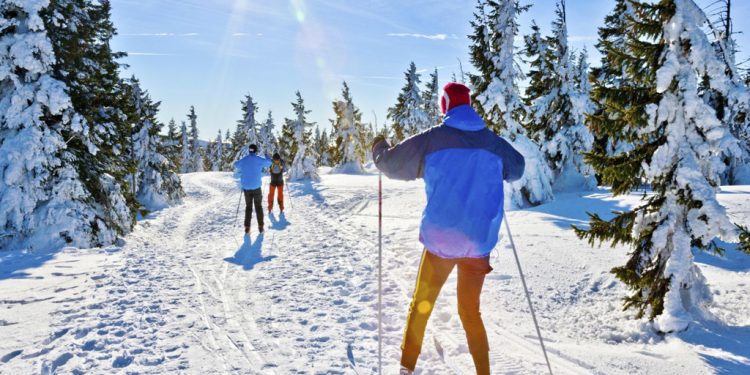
<point>526,290</point>
<point>236,216</point>
<point>380,272</point>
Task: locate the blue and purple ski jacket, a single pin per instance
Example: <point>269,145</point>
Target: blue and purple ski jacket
<point>463,164</point>
<point>250,171</point>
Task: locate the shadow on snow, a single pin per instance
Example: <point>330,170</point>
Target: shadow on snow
<point>249,253</point>
<point>278,224</point>
<point>305,187</point>
<point>572,208</point>
<point>14,263</point>
<point>725,348</point>
<point>733,260</point>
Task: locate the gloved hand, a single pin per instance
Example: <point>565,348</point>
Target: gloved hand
<point>378,139</point>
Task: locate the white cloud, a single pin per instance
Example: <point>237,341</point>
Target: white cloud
<point>423,36</point>
<point>163,34</point>
<point>246,34</point>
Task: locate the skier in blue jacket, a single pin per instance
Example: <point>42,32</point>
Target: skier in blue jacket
<point>463,164</point>
<point>250,171</point>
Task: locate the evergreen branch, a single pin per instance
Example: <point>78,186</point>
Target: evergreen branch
<point>744,245</point>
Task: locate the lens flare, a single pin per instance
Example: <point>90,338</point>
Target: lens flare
<point>424,307</point>
<point>298,9</point>
<point>317,48</point>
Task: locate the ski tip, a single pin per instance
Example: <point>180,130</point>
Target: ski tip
<point>350,354</point>
<point>438,348</point>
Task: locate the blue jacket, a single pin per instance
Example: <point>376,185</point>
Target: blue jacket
<point>250,170</point>
<point>463,164</point>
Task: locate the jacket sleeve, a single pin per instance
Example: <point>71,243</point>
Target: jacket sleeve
<point>404,161</point>
<point>513,162</point>
<point>266,162</point>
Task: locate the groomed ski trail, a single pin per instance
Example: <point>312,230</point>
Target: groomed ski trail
<point>180,296</point>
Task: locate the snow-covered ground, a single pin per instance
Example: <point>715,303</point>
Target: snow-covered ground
<point>186,293</point>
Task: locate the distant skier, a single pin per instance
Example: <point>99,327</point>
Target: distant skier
<point>277,182</point>
<point>250,169</point>
<point>463,164</point>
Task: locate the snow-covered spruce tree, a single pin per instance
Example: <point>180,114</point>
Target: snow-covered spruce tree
<point>408,115</point>
<point>430,97</point>
<point>346,132</point>
<point>209,151</point>
<point>582,104</point>
<point>287,141</point>
<point>552,118</point>
<point>196,152</point>
<point>186,158</point>
<point>217,154</point>
<point>247,129</point>
<point>612,136</point>
<point>266,138</point>
<point>81,32</point>
<point>323,147</point>
<point>678,143</point>
<point>303,165</point>
<point>497,97</point>
<point>171,144</point>
<point>43,202</point>
<point>228,156</point>
<point>155,180</point>
<point>731,100</point>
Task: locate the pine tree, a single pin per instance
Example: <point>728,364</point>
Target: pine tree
<point>217,154</point>
<point>186,160</point>
<point>155,183</point>
<point>43,200</point>
<point>408,115</point>
<point>196,163</point>
<point>287,141</point>
<point>247,129</point>
<point>582,104</point>
<point>677,145</point>
<point>497,97</point>
<point>228,158</point>
<point>81,32</point>
<point>172,145</point>
<point>347,127</point>
<point>554,119</point>
<point>303,165</point>
<point>611,133</point>
<point>324,145</point>
<point>430,97</point>
<point>208,163</point>
<point>266,138</point>
<point>731,101</point>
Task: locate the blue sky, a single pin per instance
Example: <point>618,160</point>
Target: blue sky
<point>210,53</point>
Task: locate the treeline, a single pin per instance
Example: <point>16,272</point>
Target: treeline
<point>298,141</point>
<point>81,155</point>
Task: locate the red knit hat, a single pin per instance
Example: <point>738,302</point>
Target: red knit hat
<point>454,95</point>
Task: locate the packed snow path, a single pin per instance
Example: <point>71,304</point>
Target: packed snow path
<point>186,293</point>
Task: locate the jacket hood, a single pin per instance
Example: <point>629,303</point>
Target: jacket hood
<point>464,118</point>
